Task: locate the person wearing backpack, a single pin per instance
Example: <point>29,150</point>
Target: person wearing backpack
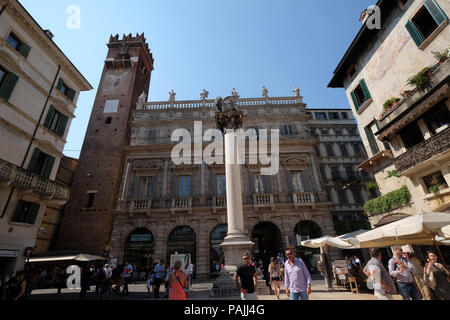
<point>178,284</point>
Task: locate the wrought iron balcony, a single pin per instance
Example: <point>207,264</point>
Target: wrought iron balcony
<point>12,175</point>
<point>423,151</point>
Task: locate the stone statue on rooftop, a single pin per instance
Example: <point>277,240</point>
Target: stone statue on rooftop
<point>142,97</point>
<point>296,92</point>
<point>204,95</point>
<point>265,92</point>
<point>234,93</point>
<point>172,96</point>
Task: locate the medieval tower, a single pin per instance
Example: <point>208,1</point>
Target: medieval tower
<point>88,217</point>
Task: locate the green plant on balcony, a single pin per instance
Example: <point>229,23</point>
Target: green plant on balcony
<point>441,56</point>
<point>421,79</point>
<point>387,202</point>
<point>393,173</point>
<point>372,186</point>
<point>435,189</point>
<point>390,103</point>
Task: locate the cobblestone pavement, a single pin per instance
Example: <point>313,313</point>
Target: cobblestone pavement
<point>201,291</point>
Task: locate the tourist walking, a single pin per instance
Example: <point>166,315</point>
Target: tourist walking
<point>100,282</point>
<point>191,273</point>
<point>402,271</point>
<point>297,279</point>
<point>178,284</point>
<point>274,274</point>
<point>159,276</point>
<point>17,286</point>
<point>246,273</point>
<point>60,278</point>
<point>87,275</point>
<point>166,282</point>
<point>383,285</point>
<point>437,277</point>
<point>126,276</point>
<point>418,271</point>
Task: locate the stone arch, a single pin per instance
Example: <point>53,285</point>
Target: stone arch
<point>303,230</point>
<point>268,241</point>
<point>138,243</point>
<point>215,256</point>
<point>187,243</point>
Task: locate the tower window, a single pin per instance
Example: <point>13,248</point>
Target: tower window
<point>90,204</point>
<point>108,120</point>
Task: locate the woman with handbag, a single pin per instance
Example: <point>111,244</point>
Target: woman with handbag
<point>178,284</point>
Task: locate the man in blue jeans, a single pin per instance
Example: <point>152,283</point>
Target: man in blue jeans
<point>402,271</point>
<point>297,279</point>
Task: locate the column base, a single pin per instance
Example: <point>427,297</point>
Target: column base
<point>234,247</point>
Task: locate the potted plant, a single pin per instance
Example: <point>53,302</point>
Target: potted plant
<point>441,56</point>
<point>406,93</point>
<point>435,189</point>
<point>421,79</point>
<point>390,103</point>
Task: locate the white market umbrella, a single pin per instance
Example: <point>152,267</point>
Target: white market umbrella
<point>420,229</point>
<point>88,257</point>
<point>327,241</point>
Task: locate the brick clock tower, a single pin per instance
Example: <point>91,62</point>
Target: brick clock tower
<point>88,218</point>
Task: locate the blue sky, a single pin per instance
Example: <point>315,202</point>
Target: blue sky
<point>216,45</point>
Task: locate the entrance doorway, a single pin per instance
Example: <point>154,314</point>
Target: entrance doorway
<point>139,249</point>
<point>268,243</point>
<point>305,230</point>
<point>182,240</point>
<point>216,252</point>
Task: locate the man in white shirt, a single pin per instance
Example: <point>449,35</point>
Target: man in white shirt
<point>191,274</point>
<point>127,271</point>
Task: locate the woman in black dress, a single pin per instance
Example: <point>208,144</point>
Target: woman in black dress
<point>437,276</point>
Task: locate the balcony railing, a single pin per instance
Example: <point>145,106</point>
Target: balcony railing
<point>195,104</point>
<point>424,151</point>
<point>220,201</point>
<point>263,200</point>
<point>140,204</point>
<point>182,203</point>
<point>401,108</point>
<point>303,197</point>
<point>24,179</point>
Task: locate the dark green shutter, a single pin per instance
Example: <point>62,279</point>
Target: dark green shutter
<point>71,94</point>
<point>34,158</point>
<point>31,218</point>
<point>48,119</point>
<point>371,139</point>
<point>436,12</point>
<point>60,84</point>
<point>365,89</point>
<point>62,125</point>
<point>8,86</point>
<point>24,50</point>
<point>355,101</point>
<point>48,167</point>
<point>415,34</point>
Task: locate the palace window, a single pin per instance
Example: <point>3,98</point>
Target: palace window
<point>184,186</point>
<point>344,115</point>
<point>146,187</point>
<point>338,132</point>
<point>18,45</point>
<point>65,90</point>
<point>26,212</point>
<point>288,130</point>
<point>437,118</point>
<point>321,116</point>
<point>333,115</point>
<point>435,179</point>
<point>330,150</point>
<point>56,121</point>
<point>344,150</point>
<point>411,135</point>
<point>8,81</point>
<point>221,185</point>
<point>371,138</point>
<point>360,94</point>
<point>429,17</point>
<point>297,181</point>
<point>41,163</point>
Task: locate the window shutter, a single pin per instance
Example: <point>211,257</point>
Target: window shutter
<point>60,84</point>
<point>34,158</point>
<point>24,50</point>
<point>305,181</point>
<point>49,117</point>
<point>251,182</point>
<point>437,13</point>
<point>174,185</point>
<point>191,185</point>
<point>48,167</point>
<point>355,101</point>
<point>8,86</point>
<point>267,181</point>
<point>365,89</point>
<point>213,184</point>
<point>31,218</point>
<point>135,187</point>
<point>414,33</point>
<point>62,125</point>
<point>289,181</point>
<point>71,94</point>
<point>371,139</point>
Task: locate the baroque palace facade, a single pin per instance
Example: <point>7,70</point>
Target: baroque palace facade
<point>130,199</point>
